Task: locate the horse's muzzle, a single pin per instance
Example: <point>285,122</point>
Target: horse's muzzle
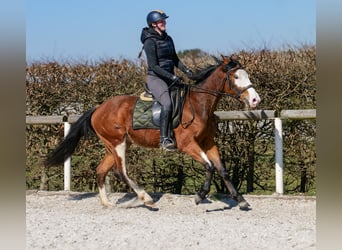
<point>251,102</point>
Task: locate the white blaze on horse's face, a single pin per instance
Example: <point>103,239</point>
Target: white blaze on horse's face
<point>250,97</point>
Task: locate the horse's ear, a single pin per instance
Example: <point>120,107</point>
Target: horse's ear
<point>225,59</point>
<point>234,57</point>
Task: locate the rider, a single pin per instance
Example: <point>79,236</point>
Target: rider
<point>161,59</point>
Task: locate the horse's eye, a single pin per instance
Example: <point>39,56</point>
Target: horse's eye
<point>236,76</point>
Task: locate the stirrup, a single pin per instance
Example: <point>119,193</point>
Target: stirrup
<point>168,144</point>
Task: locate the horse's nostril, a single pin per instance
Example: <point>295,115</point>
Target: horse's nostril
<point>255,101</point>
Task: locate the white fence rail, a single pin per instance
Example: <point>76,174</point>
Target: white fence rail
<point>223,116</point>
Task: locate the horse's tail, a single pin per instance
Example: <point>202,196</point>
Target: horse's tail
<point>82,127</point>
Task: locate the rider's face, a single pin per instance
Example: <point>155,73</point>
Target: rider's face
<point>161,25</point>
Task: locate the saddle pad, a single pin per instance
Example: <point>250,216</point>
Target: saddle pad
<point>142,115</point>
<point>146,110</point>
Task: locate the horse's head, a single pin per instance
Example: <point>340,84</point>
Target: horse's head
<point>237,82</point>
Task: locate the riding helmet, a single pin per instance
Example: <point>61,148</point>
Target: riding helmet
<point>155,16</point>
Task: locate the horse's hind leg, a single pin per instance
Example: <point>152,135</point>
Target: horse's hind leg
<point>120,167</point>
<point>101,173</point>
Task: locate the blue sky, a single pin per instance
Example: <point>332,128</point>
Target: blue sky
<point>95,30</point>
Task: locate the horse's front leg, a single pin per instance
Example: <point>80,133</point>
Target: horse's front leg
<point>214,157</point>
<point>195,151</point>
<point>207,182</point>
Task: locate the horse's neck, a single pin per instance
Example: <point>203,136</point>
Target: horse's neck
<point>214,82</point>
<point>208,97</point>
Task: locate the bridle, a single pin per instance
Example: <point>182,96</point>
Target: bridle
<point>224,80</point>
<point>230,82</point>
<point>230,67</point>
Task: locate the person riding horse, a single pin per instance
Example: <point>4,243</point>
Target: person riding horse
<point>112,121</point>
<point>161,60</point>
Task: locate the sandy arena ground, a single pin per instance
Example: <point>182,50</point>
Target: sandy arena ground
<point>68,220</point>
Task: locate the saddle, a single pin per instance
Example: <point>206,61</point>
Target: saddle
<point>146,113</point>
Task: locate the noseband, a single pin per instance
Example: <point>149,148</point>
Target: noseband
<point>230,82</point>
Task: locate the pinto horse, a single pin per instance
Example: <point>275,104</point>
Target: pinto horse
<point>112,123</point>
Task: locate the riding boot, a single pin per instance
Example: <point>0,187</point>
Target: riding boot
<point>166,142</point>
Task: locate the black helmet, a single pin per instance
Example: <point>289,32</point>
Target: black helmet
<point>154,16</point>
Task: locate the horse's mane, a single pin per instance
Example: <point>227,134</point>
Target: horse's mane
<point>204,73</point>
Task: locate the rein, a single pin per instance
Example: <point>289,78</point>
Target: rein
<point>214,93</point>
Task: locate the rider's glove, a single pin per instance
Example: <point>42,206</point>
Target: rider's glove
<point>177,79</point>
<point>189,73</point>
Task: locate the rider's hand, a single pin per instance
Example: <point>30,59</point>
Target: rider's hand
<point>189,73</point>
<point>177,79</point>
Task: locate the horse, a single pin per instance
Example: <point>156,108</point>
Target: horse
<point>111,121</point>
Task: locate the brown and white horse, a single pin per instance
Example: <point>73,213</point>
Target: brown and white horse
<point>112,123</point>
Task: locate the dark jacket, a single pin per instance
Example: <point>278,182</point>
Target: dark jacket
<point>161,54</point>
